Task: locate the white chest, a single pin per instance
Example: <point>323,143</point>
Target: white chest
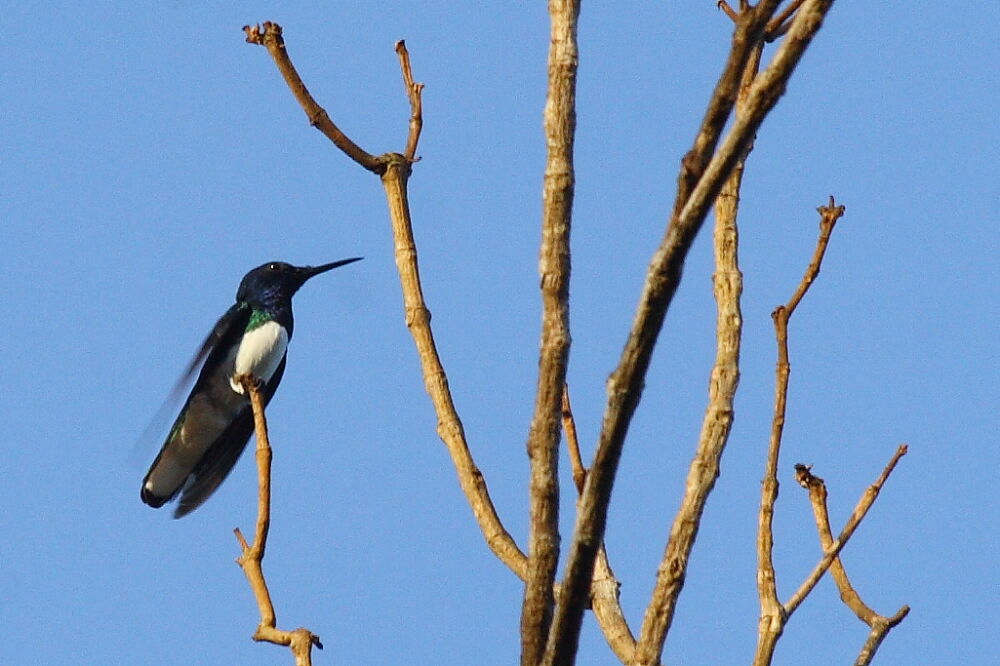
<point>260,352</point>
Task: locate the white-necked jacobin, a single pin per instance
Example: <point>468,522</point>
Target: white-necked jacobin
<point>216,421</point>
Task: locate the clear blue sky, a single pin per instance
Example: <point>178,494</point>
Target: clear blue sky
<point>150,158</point>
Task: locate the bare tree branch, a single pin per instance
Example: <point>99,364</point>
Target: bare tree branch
<point>879,624</point>
<point>554,266</point>
<point>301,640</point>
<point>749,27</point>
<point>770,632</point>
<point>418,318</point>
<point>878,633</point>
<point>604,589</point>
<point>727,10</point>
<point>573,442</point>
<point>394,169</point>
<point>663,276</point>
<point>772,614</point>
<point>413,93</point>
<point>817,499</point>
<point>833,550</point>
<point>780,24</point>
<point>270,37</point>
<point>718,420</point>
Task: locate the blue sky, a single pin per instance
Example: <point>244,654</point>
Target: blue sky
<point>150,158</point>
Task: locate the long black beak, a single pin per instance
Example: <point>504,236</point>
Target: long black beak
<point>307,272</point>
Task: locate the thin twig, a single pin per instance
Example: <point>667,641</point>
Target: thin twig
<point>269,36</point>
<point>829,215</point>
<point>413,93</point>
<point>727,10</point>
<point>879,624</point>
<point>697,188</point>
<point>604,590</point>
<point>554,266</point>
<point>780,24</point>
<point>572,442</point>
<point>772,614</point>
<point>831,552</point>
<point>817,499</point>
<point>251,559</point>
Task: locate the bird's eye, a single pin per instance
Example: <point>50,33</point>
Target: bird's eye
<point>272,267</point>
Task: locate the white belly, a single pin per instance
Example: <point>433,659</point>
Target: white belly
<point>260,353</point>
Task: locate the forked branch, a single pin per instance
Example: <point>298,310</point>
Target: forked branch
<point>880,625</point>
<point>767,639</point>
<point>394,170</point>
<point>301,640</point>
<point>775,615</point>
<point>817,499</point>
<point>604,590</point>
<point>833,550</point>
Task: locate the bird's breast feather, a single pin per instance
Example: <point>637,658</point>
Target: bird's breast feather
<point>259,353</point>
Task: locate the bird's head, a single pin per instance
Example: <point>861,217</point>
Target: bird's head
<point>277,280</point>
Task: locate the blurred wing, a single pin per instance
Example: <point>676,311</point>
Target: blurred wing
<point>229,327</point>
<point>225,331</point>
<point>221,457</point>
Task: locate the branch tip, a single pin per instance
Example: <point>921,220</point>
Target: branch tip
<point>413,94</point>
<point>831,212</point>
<point>803,475</point>
<point>241,539</point>
<point>261,35</point>
<point>727,10</point>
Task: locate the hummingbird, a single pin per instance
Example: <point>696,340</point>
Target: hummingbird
<point>216,421</point>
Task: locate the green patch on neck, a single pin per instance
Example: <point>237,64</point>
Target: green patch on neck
<point>257,318</point>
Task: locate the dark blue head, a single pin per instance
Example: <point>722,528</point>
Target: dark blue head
<point>276,282</point>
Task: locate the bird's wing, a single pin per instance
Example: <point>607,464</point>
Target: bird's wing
<point>229,326</point>
<point>219,459</point>
<point>224,334</point>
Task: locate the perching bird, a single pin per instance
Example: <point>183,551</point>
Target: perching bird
<point>215,423</point>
